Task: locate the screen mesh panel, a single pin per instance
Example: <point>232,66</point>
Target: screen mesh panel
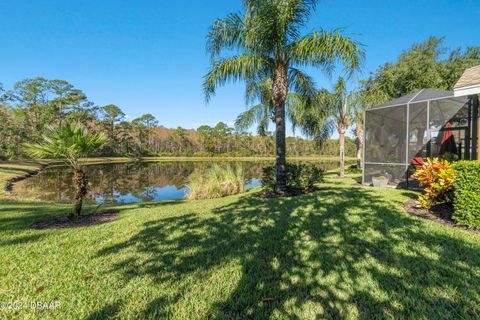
<point>436,123</point>
<point>386,134</point>
<point>394,173</point>
<point>417,130</point>
<point>444,110</point>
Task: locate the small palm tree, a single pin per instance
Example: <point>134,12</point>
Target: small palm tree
<point>69,142</point>
<point>329,111</point>
<point>342,110</point>
<point>269,41</point>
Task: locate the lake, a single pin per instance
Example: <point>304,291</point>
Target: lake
<point>132,181</point>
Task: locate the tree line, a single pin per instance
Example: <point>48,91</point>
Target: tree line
<point>32,104</point>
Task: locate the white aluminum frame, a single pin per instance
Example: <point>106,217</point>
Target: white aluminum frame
<point>407,144</point>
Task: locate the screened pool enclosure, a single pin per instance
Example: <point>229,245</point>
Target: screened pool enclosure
<point>401,134</point>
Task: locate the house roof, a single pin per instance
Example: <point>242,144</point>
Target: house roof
<point>470,77</point>
<point>418,96</point>
<point>469,82</point>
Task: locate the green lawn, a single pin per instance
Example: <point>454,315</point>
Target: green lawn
<point>344,252</point>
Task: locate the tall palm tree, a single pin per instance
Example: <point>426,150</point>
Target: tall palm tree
<point>269,42</point>
<point>69,142</point>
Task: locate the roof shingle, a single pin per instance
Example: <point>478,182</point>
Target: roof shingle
<point>470,77</point>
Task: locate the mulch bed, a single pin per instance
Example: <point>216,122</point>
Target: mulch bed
<point>64,222</point>
<point>441,214</point>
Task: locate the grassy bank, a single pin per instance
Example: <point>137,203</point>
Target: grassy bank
<point>343,252</point>
<point>14,169</point>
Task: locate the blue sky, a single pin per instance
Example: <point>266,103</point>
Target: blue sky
<point>149,56</point>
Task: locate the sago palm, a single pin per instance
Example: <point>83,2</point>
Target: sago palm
<point>69,142</point>
<point>268,42</point>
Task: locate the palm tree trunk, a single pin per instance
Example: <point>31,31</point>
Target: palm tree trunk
<point>279,95</point>
<point>341,133</point>
<point>359,155</point>
<point>359,140</point>
<point>81,188</point>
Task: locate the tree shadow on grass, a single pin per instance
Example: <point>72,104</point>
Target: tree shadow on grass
<point>21,240</point>
<point>21,215</point>
<point>109,311</point>
<point>339,253</point>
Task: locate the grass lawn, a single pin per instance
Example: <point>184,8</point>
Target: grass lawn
<point>341,253</point>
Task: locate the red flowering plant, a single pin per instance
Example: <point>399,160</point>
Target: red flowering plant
<point>437,176</point>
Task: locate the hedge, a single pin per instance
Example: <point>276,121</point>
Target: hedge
<point>467,193</point>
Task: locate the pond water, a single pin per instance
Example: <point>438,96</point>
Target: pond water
<point>132,181</point>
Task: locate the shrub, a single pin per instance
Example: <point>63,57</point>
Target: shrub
<point>437,176</point>
<point>467,193</point>
<point>450,157</point>
<point>216,182</point>
<point>353,169</point>
<point>300,177</point>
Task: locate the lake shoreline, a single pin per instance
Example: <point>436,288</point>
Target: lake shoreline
<point>124,184</point>
<point>16,168</point>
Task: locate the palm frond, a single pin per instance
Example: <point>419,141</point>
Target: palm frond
<point>69,142</point>
<point>259,114</point>
<point>324,49</point>
<point>301,83</point>
<point>226,33</point>
<point>236,68</point>
<point>259,90</point>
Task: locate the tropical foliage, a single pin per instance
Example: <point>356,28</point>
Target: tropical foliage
<point>269,43</point>
<point>438,177</point>
<point>69,142</point>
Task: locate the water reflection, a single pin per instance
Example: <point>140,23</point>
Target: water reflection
<point>129,182</point>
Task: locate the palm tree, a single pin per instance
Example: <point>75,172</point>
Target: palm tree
<point>329,111</point>
<point>342,110</point>
<point>69,142</point>
<point>269,42</point>
<point>359,133</point>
